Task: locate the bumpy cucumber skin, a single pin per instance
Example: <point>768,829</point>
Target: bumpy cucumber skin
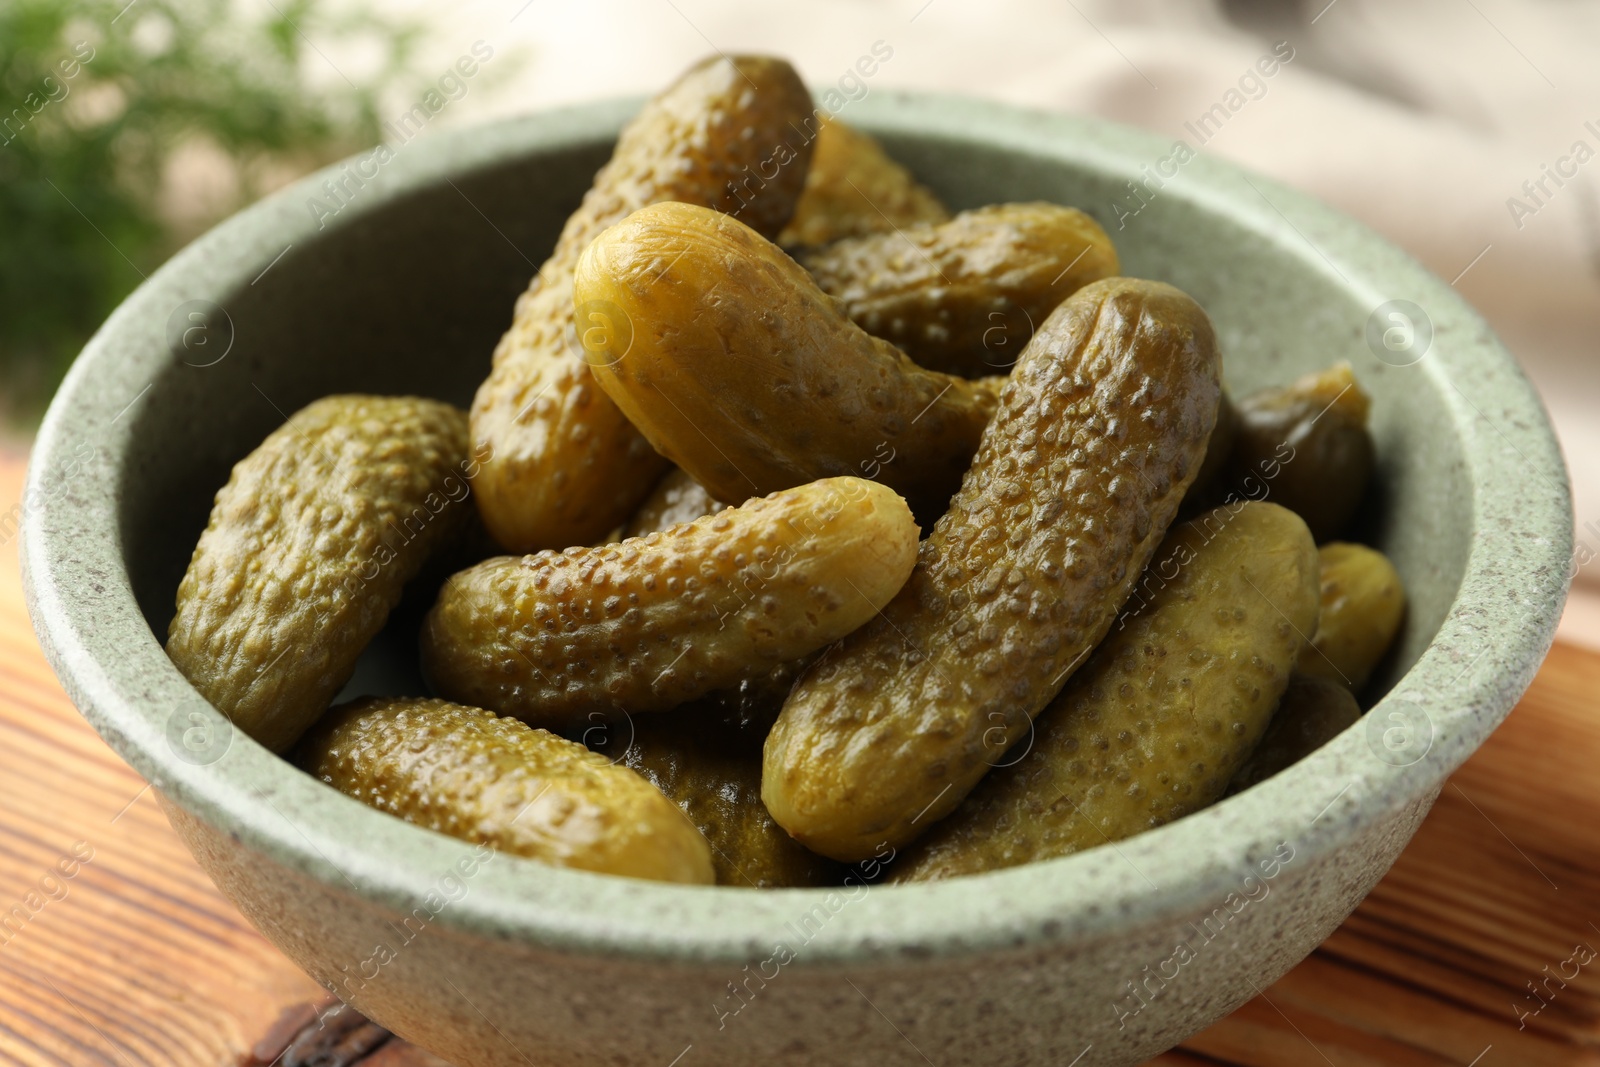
<point>1363,603</point>
<point>1100,431</point>
<point>744,373</point>
<point>854,188</point>
<point>752,704</point>
<point>1307,447</point>
<point>676,498</point>
<point>653,622</point>
<point>307,550</point>
<point>1164,713</point>
<point>964,296</point>
<point>706,758</point>
<point>565,465</point>
<point>468,773</point>
<point>1312,712</point>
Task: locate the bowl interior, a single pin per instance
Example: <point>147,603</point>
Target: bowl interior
<point>410,296</point>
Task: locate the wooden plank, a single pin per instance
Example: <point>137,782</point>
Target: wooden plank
<point>136,959</point>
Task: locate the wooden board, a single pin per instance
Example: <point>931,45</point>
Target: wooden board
<point>135,959</point>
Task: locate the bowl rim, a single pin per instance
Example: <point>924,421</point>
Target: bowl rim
<point>1491,642</point>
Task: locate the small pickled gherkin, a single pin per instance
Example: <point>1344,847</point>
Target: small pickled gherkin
<point>564,465</point>
<point>1100,432</point>
<point>1165,712</point>
<point>468,773</point>
<point>1306,446</point>
<point>726,355</point>
<point>676,498</point>
<point>965,296</point>
<point>706,757</point>
<point>1313,712</point>
<point>308,549</point>
<point>854,188</point>
<point>1363,602</point>
<point>653,622</point>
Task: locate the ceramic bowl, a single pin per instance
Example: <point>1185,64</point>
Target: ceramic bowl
<point>399,277</point>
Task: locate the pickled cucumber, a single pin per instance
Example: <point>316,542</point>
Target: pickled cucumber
<point>676,498</point>
<point>707,760</point>
<point>307,551</point>
<point>1306,446</point>
<point>653,622</point>
<point>470,774</point>
<point>740,370</point>
<point>1100,431</point>
<point>566,466</point>
<point>1363,602</point>
<point>1312,712</point>
<point>854,188</point>
<point>1163,714</point>
<point>964,296</point>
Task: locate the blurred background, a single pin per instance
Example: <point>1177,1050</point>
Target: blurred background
<point>1465,130</point>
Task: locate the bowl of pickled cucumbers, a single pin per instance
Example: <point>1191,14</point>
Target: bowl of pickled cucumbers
<point>760,575</point>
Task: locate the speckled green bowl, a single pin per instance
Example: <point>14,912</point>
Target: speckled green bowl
<point>1100,958</point>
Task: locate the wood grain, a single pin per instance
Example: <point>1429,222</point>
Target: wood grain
<point>135,959</point>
